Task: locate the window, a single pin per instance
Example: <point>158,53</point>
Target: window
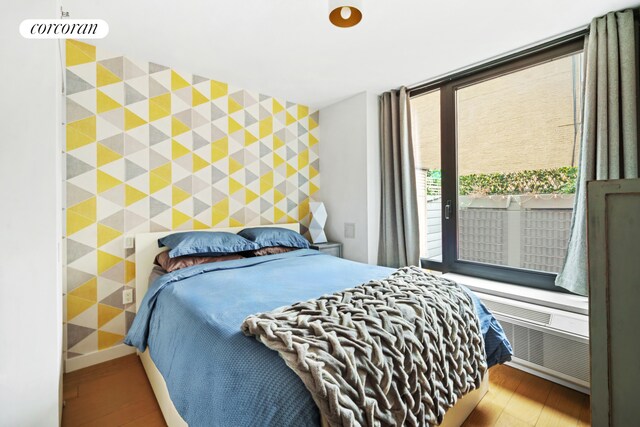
<point>496,163</point>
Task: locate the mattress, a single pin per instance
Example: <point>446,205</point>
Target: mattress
<point>190,320</point>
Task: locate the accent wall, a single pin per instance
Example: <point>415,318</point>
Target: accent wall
<point>150,148</point>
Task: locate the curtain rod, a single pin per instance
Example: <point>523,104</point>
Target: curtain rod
<point>502,58</point>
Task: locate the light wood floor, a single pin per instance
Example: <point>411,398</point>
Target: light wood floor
<point>117,393</point>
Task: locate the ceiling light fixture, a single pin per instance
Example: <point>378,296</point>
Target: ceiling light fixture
<point>345,13</point>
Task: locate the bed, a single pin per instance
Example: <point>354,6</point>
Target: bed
<point>204,371</point>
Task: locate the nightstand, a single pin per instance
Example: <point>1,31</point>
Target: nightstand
<point>330,248</point>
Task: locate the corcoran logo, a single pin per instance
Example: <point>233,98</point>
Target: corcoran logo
<point>64,28</point>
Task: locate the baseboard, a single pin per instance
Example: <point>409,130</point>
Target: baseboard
<point>96,357</point>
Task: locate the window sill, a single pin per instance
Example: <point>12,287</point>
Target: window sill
<point>561,301</point>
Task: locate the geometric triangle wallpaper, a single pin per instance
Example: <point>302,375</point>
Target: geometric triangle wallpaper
<point>149,148</point>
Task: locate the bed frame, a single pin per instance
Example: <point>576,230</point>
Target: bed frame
<point>146,249</point>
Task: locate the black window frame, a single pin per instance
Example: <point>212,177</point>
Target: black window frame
<point>447,86</point>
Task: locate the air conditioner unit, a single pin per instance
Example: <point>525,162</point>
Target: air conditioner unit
<point>550,343</point>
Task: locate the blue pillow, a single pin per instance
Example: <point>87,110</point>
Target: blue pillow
<point>275,236</point>
<point>209,243</point>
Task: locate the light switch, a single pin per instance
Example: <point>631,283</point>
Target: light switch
<point>349,230</point>
<point>129,242</point>
<point>127,296</point>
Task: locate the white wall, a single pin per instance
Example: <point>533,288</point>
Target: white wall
<point>350,176</point>
<point>30,285</point>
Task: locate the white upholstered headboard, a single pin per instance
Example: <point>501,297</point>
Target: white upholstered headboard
<point>146,249</point>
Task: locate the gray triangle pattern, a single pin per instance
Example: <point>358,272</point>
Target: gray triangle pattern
<point>155,68</point>
<point>115,221</point>
<point>301,129</point>
<point>155,227</point>
<point>76,278</point>
<point>265,205</point>
<point>263,112</point>
<point>198,79</point>
<point>198,141</point>
<point>115,143</point>
<point>76,250</point>
<point>155,88</point>
<point>238,97</point>
<point>248,99</point>
<point>217,175</point>
<point>185,184</point>
<point>132,220</point>
<point>156,207</point>
<point>198,185</point>
<point>128,319</point>
<point>76,111</point>
<point>131,95</point>
<point>115,117</point>
<point>115,273</point>
<point>115,65</point>
<point>216,113</point>
<point>264,98</point>
<point>264,168</point>
<point>115,299</point>
<point>217,196</point>
<point>76,195</point>
<point>156,136</point>
<point>131,170</point>
<point>199,207</point>
<point>249,119</point>
<point>131,71</point>
<point>302,180</point>
<point>264,150</point>
<point>281,135</point>
<point>115,195</point>
<point>197,120</point>
<point>290,153</point>
<point>216,133</point>
<point>249,177</point>
<point>76,333</point>
<point>184,116</point>
<point>76,167</point>
<point>132,145</point>
<point>156,159</point>
<point>75,84</point>
<point>316,164</point>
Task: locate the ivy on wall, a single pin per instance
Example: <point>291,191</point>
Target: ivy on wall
<point>539,181</point>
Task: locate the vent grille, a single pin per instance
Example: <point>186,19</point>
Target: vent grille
<point>556,353</point>
<point>519,312</point>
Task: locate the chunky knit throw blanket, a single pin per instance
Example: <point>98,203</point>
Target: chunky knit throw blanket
<point>394,352</point>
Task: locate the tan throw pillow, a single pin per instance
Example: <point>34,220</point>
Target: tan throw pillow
<point>270,250</point>
<point>177,263</point>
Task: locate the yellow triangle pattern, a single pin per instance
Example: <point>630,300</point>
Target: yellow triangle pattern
<point>132,195</point>
<point>303,111</point>
<point>76,305</point>
<point>178,150</point>
<point>198,163</point>
<point>109,168</point>
<point>107,339</point>
<point>132,120</point>
<point>234,126</point>
<point>218,89</point>
<point>177,127</point>
<point>81,133</point>
<point>105,77</point>
<point>79,53</point>
<point>178,218</point>
<point>233,106</point>
<point>106,234</point>
<point>107,313</point>
<point>106,181</point>
<point>266,127</point>
<point>159,107</point>
<point>219,149</point>
<point>178,195</point>
<point>106,155</point>
<point>219,212</point>
<point>87,291</point>
<point>177,82</point>
<point>106,261</point>
<point>197,98</point>
<point>105,103</point>
<point>129,271</point>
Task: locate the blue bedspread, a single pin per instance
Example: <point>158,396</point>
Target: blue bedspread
<point>190,320</point>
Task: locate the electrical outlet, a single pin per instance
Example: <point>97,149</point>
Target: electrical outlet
<point>127,296</point>
<point>129,242</point>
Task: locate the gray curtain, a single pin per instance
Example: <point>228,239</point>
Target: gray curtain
<point>609,147</point>
<point>399,236</point>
